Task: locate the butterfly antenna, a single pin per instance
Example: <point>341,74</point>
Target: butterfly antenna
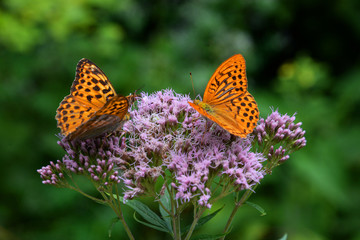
<point>192,82</point>
<point>137,90</point>
<point>135,95</point>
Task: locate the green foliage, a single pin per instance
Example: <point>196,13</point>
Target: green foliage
<point>165,208</point>
<point>202,221</point>
<point>153,220</point>
<point>257,207</point>
<point>301,57</point>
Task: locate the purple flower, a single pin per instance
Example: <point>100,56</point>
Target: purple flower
<point>278,136</point>
<point>94,158</point>
<point>167,137</point>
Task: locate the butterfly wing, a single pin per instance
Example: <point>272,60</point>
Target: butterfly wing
<point>91,84</point>
<point>226,100</point>
<point>107,119</point>
<point>95,126</point>
<point>240,119</point>
<point>89,92</point>
<point>228,81</point>
<point>71,114</point>
<point>116,106</point>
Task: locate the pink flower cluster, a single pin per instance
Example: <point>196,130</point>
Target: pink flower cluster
<point>166,136</point>
<point>93,157</point>
<point>282,134</point>
<point>166,141</point>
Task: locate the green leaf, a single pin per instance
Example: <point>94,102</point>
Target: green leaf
<point>112,224</point>
<point>166,201</point>
<point>150,225</point>
<point>202,221</point>
<point>284,237</point>
<point>257,207</point>
<point>207,218</point>
<point>148,214</point>
<point>208,236</point>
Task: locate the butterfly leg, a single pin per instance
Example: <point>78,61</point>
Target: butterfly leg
<point>109,134</point>
<point>208,126</point>
<point>105,137</point>
<point>232,138</point>
<point>193,124</point>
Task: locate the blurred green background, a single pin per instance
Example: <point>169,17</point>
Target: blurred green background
<point>302,56</point>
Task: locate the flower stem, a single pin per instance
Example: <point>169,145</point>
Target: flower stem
<point>196,219</point>
<point>77,189</point>
<point>115,205</point>
<point>178,226</point>
<point>174,216</point>
<point>238,204</point>
<point>126,227</point>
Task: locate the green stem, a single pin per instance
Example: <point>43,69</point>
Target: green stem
<point>196,219</point>
<point>86,195</point>
<point>238,204</point>
<point>110,201</point>
<point>178,225</point>
<point>173,215</point>
<point>174,225</point>
<point>117,209</point>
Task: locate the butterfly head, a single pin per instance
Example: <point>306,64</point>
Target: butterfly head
<point>133,97</point>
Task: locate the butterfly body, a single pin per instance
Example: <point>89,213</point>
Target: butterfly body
<point>204,106</point>
<point>92,107</point>
<point>226,100</point>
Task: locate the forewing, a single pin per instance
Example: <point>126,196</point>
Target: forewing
<point>89,92</point>
<point>91,84</point>
<point>228,81</point>
<point>107,119</point>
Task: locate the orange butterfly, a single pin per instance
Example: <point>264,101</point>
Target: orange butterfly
<point>226,100</point>
<point>92,107</point>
